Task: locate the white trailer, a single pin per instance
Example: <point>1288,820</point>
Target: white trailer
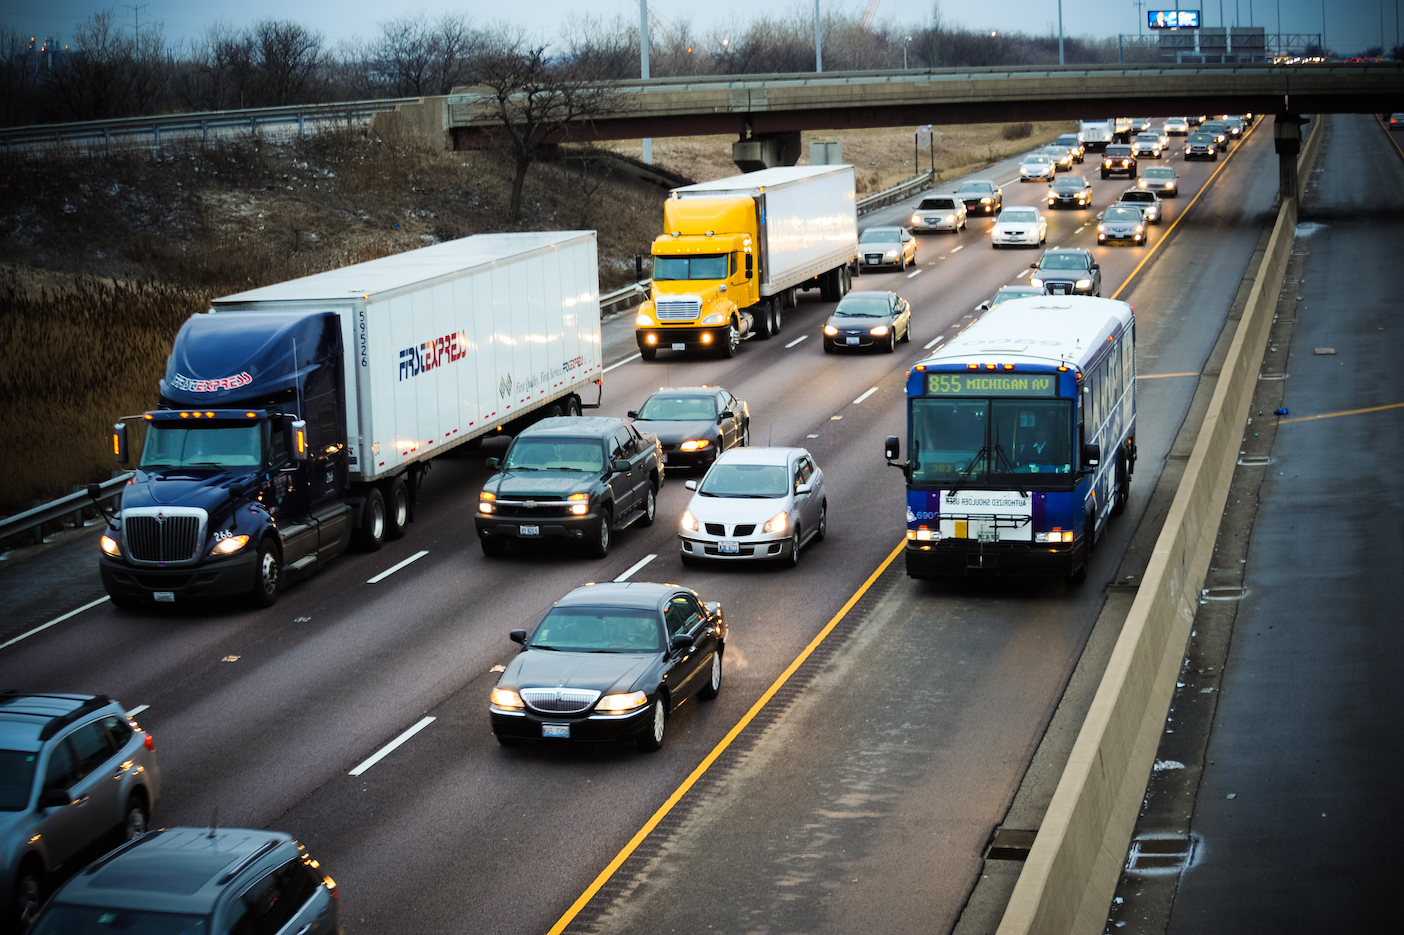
<point>1096,134</point>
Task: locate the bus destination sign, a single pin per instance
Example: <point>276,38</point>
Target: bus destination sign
<point>971,383</point>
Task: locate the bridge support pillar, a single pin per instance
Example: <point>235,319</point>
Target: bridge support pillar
<point>1287,140</point>
<point>766,150</point>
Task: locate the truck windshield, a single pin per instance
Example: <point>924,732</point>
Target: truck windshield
<point>16,778</point>
<point>209,444</point>
<point>555,454</point>
<point>981,442</point>
<point>711,266</point>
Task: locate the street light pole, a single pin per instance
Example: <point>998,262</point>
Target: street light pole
<point>819,41</point>
<point>643,70</point>
<point>1061,60</point>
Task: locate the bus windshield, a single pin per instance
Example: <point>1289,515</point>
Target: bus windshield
<point>983,442</point>
<point>706,266</point>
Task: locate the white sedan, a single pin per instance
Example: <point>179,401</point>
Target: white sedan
<point>1019,227</point>
<point>1037,168</point>
<point>755,503</point>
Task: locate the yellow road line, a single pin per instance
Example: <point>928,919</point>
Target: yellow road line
<point>717,751</point>
<point>1202,189</point>
<point>1161,376</point>
<point>1347,412</point>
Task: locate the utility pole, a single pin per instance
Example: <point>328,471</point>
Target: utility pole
<point>819,40</point>
<point>1061,60</point>
<point>643,70</point>
<point>136,15</point>
<point>1323,28</point>
<point>1140,19</point>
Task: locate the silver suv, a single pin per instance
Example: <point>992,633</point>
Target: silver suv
<point>75,773</point>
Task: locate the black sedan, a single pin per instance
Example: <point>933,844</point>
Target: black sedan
<point>981,196</point>
<point>1070,191</point>
<point>869,319</point>
<point>610,662</point>
<point>694,423</point>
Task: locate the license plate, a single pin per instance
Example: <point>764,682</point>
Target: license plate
<point>679,346</point>
<point>555,730</point>
<point>988,535</point>
<point>851,340</point>
<point>530,530</point>
<point>163,597</point>
<point>728,547</point>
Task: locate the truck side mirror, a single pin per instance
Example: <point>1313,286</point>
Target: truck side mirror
<point>892,448</point>
<point>1096,265</point>
<point>296,430</point>
<point>619,465</point>
<point>1091,454</point>
<point>119,443</point>
<point>750,265</point>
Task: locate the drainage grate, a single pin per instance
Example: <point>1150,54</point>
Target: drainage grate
<point>1007,844</point>
<point>1272,376</point>
<point>1224,594</point>
<point>1255,460</point>
<point>1160,854</point>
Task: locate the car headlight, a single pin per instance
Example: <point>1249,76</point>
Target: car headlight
<point>1035,281</point>
<point>892,253</point>
<point>777,523</point>
<point>1051,199</point>
<point>506,698</point>
<point>1139,229</point>
<point>984,201</point>
<point>715,318</point>
<point>1084,284</point>
<point>1169,185</point>
<point>696,445</point>
<point>225,546</point>
<point>618,704</point>
<point>830,330</point>
<point>950,218</point>
<point>878,330</point>
<point>1100,228</point>
<point>645,320</point>
<point>688,521</point>
<point>916,219</point>
<point>109,545</point>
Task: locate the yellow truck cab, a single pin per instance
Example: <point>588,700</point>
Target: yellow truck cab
<point>736,251</point>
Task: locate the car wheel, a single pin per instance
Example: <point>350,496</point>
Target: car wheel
<point>746,436</point>
<point>371,536</point>
<point>891,342</point>
<point>396,508</point>
<point>494,546</point>
<point>648,353</point>
<point>792,559</point>
<point>268,575</point>
<point>600,547</point>
<point>126,603</point>
<point>828,347</point>
<point>137,817</point>
<point>650,506</point>
<point>29,894</point>
<point>823,529</point>
<point>651,740</point>
<point>732,342</point>
<point>508,741</point>
<point>713,686</point>
<point>907,335</point>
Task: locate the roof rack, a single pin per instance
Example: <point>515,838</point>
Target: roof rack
<point>248,861</point>
<point>112,855</point>
<point>95,703</point>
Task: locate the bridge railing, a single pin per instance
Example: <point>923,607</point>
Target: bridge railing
<point>32,521</point>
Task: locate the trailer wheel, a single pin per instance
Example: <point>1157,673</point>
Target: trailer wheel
<point>371,534</point>
<point>397,508</point>
<point>765,320</point>
<point>573,407</point>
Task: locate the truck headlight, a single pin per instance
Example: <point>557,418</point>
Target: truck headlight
<point>777,523</point>
<point>715,318</point>
<point>229,546</point>
<point>1084,284</point>
<point>645,320</point>
<point>579,509</point>
<point>505,698</point>
<point>618,704</point>
<point>688,521</point>
<point>695,445</point>
<point>109,545</point>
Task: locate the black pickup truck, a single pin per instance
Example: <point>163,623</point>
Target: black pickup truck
<point>572,479</point>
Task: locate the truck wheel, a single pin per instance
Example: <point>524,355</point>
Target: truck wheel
<point>648,353</point>
<point>780,312</point>
<point>371,535</point>
<point>732,341</point>
<point>600,547</point>
<point>397,508</point>
<point>827,287</point>
<point>268,575</point>
<point>650,506</point>
<point>765,320</point>
<point>126,603</point>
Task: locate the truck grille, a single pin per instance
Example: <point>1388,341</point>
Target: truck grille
<point>559,700</point>
<point>163,535</point>
<point>680,309</point>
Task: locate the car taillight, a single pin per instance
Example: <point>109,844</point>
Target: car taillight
<point>150,742</point>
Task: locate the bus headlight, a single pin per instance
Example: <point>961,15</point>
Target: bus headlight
<point>645,320</point>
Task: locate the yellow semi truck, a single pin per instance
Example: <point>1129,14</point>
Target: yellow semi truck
<point>736,252</point>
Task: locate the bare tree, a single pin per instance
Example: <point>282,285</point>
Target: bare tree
<point>218,72</point>
<point>108,72</point>
<point>289,57</point>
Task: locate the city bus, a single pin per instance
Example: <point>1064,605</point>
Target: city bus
<point>1021,439</point>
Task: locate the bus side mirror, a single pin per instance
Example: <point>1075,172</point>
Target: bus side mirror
<point>750,265</point>
<point>1091,455</point>
<point>119,443</point>
<point>892,448</point>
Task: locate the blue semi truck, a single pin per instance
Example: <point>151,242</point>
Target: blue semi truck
<point>299,419</point>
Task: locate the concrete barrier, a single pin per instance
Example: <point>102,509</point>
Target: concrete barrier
<point>1071,873</point>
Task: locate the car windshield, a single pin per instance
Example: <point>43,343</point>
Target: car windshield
<point>975,188</point>
<point>16,778</point>
<point>1014,292</point>
<point>1234,122</point>
<point>662,408</point>
<point>1063,261</point>
<point>756,481</point>
<point>1159,173</point>
<point>864,305</point>
<point>1201,138</point>
<point>936,204</point>
<point>881,235</point>
<point>599,630</point>
<point>1118,150</point>
<point>1019,215</point>
<point>555,454</point>
<point>1075,183</point>
<point>1137,195</point>
<point>1148,138</point>
<point>706,266</point>
<point>210,444</point>
<point>978,441</point>
<point>1122,214</point>
<point>1036,160</point>
<point>64,919</point>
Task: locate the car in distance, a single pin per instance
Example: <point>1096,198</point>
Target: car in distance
<point>1218,130</point>
<point>869,319</point>
<point>1073,142</point>
<point>1201,146</point>
<point>1160,179</point>
<point>1146,146</point>
<point>1396,121</point>
<point>610,662</point>
<point>1062,156</point>
<point>1070,191</point>
<point>573,479</point>
<point>75,773</point>
<point>1005,293</point>
<point>981,196</point>
<point>1037,167</point>
<point>886,246</point>
<point>1019,227</point>
<point>1121,223</point>
<point>1235,127</point>
<point>1140,123</point>
<point>1067,271</point>
<point>1147,201</point>
<point>694,424</point>
<point>939,213</point>
<point>1119,159</point>
<point>1176,126</point>
<point>755,503</point>
<point>185,881</point>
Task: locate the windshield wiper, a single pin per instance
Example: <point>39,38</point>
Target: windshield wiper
<point>544,646</point>
<point>557,468</point>
<point>968,468</point>
<point>521,467</point>
<point>999,450</point>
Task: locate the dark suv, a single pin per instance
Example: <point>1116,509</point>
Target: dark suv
<point>188,880</point>
<point>1067,271</point>
<point>75,775</point>
<point>573,479</point>
<point>1201,146</point>
<point>1119,160</point>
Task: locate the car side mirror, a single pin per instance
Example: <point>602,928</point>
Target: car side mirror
<point>517,636</point>
<point>1102,215</point>
<point>724,415</point>
<point>1096,266</point>
<point>690,484</point>
<point>1033,266</point>
<point>803,488</point>
<point>633,413</point>
<point>620,465</point>
<point>713,608</point>
<point>681,641</point>
<point>1091,454</point>
<point>493,463</point>
<point>984,307</point>
<point>54,798</point>
<point>892,448</point>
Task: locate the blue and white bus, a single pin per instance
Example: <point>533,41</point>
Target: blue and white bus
<point>1021,439</point>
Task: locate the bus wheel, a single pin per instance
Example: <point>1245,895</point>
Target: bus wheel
<point>1123,484</point>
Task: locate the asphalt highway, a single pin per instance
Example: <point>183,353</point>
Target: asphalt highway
<point>861,796</point>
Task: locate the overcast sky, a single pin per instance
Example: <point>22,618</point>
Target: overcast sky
<point>1351,25</point>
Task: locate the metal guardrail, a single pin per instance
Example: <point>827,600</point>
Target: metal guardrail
<point>204,121</point>
<point>72,505</point>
